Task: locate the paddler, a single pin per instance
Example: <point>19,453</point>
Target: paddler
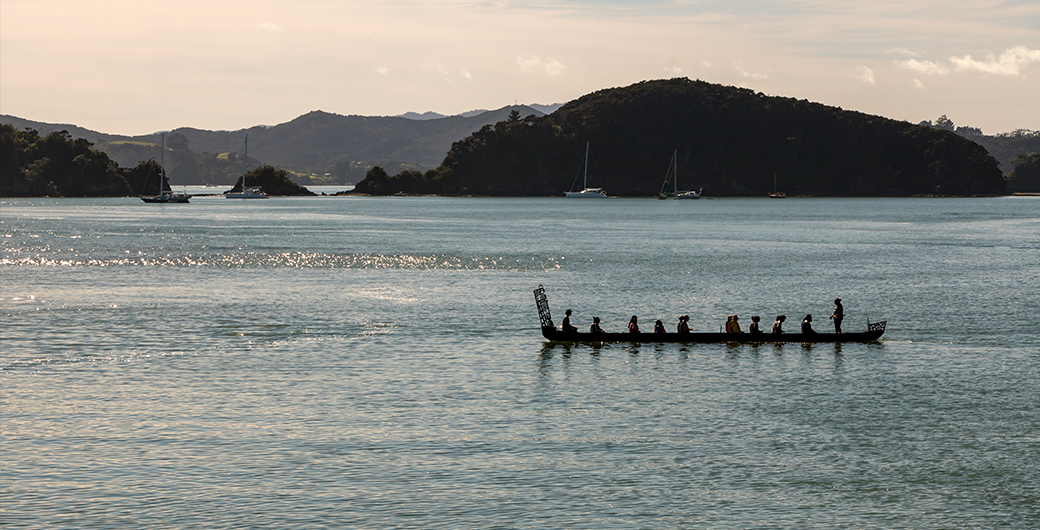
<point>567,327</point>
<point>594,327</point>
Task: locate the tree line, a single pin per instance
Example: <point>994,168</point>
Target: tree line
<point>729,140</point>
<point>57,165</point>
<point>1014,150</point>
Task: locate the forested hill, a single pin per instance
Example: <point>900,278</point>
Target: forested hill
<point>314,142</point>
<point>58,165</point>
<point>730,141</point>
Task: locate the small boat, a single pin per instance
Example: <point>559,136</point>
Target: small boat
<point>164,196</point>
<point>167,197</point>
<point>255,192</point>
<point>586,192</point>
<point>249,193</point>
<point>554,334</point>
<point>671,181</point>
<point>776,194</point>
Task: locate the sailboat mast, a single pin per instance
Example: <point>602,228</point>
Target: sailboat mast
<point>162,165</point>
<point>245,154</point>
<point>675,171</point>
<point>585,181</point>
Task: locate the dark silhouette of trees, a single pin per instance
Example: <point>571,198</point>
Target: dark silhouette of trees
<point>144,178</point>
<point>1026,175</point>
<point>55,165</point>
<point>730,141</point>
<point>944,123</point>
<point>274,181</point>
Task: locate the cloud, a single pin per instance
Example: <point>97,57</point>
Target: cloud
<point>917,84</point>
<point>923,67</point>
<point>865,74</point>
<point>438,68</point>
<point>532,63</point>
<point>706,64</point>
<point>903,51</point>
<point>745,73</point>
<point>467,75</point>
<point>673,70</point>
<point>382,70</point>
<point>1013,62</point>
<point>269,26</point>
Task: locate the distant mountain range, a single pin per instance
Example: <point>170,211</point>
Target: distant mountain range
<point>430,115</point>
<point>317,142</point>
<point>339,149</point>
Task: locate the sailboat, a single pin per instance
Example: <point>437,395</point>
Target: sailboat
<point>586,192</point>
<point>776,194</point>
<point>165,196</point>
<point>256,192</point>
<point>671,178</point>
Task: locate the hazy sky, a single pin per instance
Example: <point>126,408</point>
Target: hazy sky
<point>140,66</point>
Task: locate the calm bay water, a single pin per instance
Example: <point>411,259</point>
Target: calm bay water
<point>377,363</point>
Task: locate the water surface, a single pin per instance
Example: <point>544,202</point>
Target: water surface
<point>376,363</point>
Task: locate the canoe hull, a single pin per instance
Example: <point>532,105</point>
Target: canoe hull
<point>556,335</point>
<point>551,332</point>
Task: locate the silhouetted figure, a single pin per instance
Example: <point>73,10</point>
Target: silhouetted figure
<point>594,328</point>
<point>659,327</point>
<point>684,326</point>
<point>807,325</point>
<point>753,328</point>
<point>838,316</point>
<point>633,325</point>
<point>567,327</point>
<point>733,324</point>
<point>778,326</point>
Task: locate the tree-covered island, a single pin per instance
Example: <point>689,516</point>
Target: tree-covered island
<point>56,165</point>
<point>730,141</point>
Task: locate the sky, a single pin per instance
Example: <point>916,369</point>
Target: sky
<point>141,66</point>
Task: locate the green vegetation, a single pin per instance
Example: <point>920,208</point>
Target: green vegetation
<point>129,142</point>
<point>55,165</point>
<point>273,180</point>
<point>1026,175</point>
<point>316,148</point>
<point>1004,146</point>
<point>731,141</point>
<point>183,166</point>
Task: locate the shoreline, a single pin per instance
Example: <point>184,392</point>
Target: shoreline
<point>471,195</point>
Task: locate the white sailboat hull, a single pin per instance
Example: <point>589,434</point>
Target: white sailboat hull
<point>250,193</point>
<point>587,193</point>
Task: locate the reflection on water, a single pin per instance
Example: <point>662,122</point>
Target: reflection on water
<point>376,363</point>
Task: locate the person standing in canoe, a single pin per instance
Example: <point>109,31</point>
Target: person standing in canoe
<point>838,316</point>
<point>633,325</point>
